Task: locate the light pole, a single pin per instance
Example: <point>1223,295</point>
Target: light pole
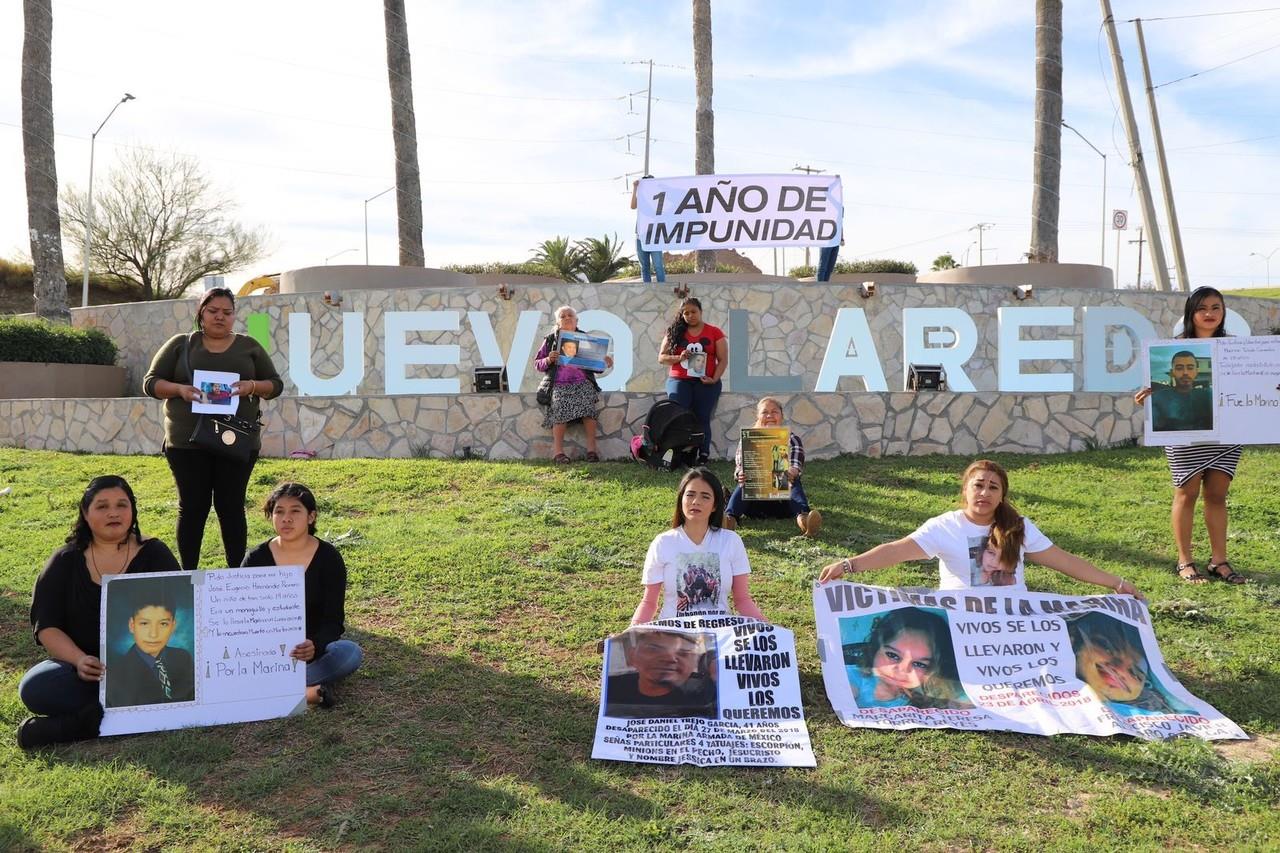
<point>980,227</point>
<point>967,249</point>
<point>366,221</point>
<point>1102,262</point>
<point>88,225</point>
<point>1267,258</point>
<point>336,254</point>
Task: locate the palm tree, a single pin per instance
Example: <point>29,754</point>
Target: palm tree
<point>704,119</point>
<point>560,257</point>
<point>602,259</point>
<point>404,131</point>
<point>37,153</point>
<point>1046,167</point>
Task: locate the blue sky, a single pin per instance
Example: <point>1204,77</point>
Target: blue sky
<point>528,126</point>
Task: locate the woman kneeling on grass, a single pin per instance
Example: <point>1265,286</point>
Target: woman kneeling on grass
<point>697,564</point>
<point>981,544</point>
<point>329,659</point>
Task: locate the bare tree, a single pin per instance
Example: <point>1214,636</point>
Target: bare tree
<point>405,132</point>
<point>160,225</point>
<point>37,154</point>
<point>704,129</point>
<point>1046,167</point>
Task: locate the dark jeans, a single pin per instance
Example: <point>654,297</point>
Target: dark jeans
<point>648,260</point>
<point>205,479</point>
<point>52,687</point>
<point>740,506</point>
<point>827,262</point>
<point>699,398</point>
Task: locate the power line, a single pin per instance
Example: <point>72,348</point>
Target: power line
<point>1213,14</point>
<point>1216,67</point>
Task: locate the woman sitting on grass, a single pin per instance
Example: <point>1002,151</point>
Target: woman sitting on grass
<point>697,564</point>
<point>329,659</point>
<point>65,610</point>
<point>961,538</point>
<point>769,416</point>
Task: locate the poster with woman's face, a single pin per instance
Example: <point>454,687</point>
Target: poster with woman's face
<point>1111,661</point>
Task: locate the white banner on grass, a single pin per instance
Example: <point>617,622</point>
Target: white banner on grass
<point>1011,661</point>
<point>1212,390</point>
<point>201,648</point>
<point>725,211</point>
<point>704,690</point>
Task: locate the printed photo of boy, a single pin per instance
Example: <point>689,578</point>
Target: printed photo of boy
<point>150,670</point>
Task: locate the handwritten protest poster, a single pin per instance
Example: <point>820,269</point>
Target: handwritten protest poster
<point>1011,661</point>
<point>721,211</point>
<point>703,690</point>
<point>217,392</point>
<point>201,648</point>
<point>1212,390</point>
<point>766,456</point>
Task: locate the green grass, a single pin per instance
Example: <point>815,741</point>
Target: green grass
<point>479,591</point>
<point>1256,292</point>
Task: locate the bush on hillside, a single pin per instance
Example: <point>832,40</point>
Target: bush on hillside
<point>503,268</point>
<point>859,268</point>
<point>36,340</point>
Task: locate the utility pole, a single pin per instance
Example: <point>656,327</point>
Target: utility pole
<point>1175,234</point>
<point>980,227</point>
<point>808,170</point>
<point>648,117</point>
<point>1139,241</point>
<point>1135,149</point>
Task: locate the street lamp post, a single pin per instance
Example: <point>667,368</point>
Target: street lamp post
<point>88,225</point>
<point>366,221</point>
<point>1103,262</point>
<point>1267,259</point>
<point>336,254</point>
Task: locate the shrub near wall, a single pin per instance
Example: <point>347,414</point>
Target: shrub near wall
<point>38,341</point>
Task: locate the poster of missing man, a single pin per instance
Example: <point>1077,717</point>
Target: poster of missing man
<point>201,648</point>
<point>1212,390</point>
<point>766,456</point>
<point>703,690</point>
<point>585,351</point>
<point>1002,661</point>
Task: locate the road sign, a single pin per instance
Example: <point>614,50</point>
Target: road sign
<point>1119,220</point>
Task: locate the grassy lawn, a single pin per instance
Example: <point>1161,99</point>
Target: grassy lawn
<point>1256,292</point>
<point>479,591</point>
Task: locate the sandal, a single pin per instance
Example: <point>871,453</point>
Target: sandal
<point>1190,573</point>
<point>592,456</point>
<point>561,459</point>
<point>1232,576</point>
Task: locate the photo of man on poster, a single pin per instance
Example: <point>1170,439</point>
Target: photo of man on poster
<point>145,663</point>
<point>668,674</point>
<point>1186,402</point>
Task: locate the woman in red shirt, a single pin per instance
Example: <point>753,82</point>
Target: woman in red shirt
<point>697,354</point>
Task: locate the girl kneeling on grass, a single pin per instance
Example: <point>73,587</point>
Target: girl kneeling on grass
<point>697,564</point>
<point>981,544</point>
<point>329,659</point>
<point>769,415</point>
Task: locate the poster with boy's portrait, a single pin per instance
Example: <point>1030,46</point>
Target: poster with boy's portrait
<point>150,641</point>
<point>1111,660</point>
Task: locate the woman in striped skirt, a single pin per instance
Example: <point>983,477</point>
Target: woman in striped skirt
<point>1201,468</point>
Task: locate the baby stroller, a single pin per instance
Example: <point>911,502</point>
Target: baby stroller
<point>670,439</point>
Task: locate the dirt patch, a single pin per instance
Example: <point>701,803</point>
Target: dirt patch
<point>1256,750</point>
<point>1077,804</point>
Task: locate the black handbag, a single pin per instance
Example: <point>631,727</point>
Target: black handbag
<point>548,378</point>
<point>227,435</point>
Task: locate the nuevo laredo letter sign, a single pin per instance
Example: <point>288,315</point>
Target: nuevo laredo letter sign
<point>1012,661</point>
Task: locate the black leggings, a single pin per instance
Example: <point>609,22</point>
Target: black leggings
<point>205,479</point>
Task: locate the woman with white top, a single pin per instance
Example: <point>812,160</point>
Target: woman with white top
<point>984,543</point>
<point>697,565</point>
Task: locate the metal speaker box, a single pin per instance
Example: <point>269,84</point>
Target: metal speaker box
<point>490,380</point>
<point>926,377</point>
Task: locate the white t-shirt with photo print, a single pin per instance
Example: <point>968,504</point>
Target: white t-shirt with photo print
<point>695,578</point>
<point>959,545</point>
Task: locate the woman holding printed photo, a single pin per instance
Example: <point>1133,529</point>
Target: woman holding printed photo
<point>1201,467</point>
<point>697,565</point>
<point>696,355</point>
<point>575,394</point>
<point>960,540</point>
